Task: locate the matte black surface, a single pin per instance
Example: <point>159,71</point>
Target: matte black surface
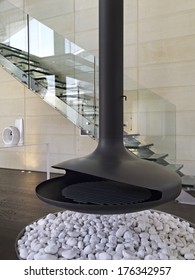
<point>51,191</point>
<point>106,193</point>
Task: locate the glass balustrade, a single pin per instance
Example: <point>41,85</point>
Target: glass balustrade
<point>66,76</point>
<point>153,117</point>
<point>58,70</point>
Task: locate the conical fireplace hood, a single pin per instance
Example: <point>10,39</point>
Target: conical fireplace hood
<point>110,180</point>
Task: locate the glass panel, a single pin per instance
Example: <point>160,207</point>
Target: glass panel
<point>130,106</point>
<point>65,74</point>
<point>58,70</point>
<point>153,117</point>
<point>27,158</point>
<point>13,28</point>
<point>157,122</point>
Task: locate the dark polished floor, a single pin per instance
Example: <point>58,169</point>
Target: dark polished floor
<point>19,207</point>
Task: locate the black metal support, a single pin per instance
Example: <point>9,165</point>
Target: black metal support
<point>111,70</point>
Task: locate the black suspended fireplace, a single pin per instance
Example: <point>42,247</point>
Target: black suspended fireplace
<point>111,180</point>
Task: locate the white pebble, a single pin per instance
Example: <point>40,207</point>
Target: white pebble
<point>46,257</point>
<point>128,235</point>
<point>189,256</point>
<point>50,217</point>
<point>69,254</point>
<point>119,248</point>
<point>23,253</point>
<point>87,250</point>
<point>51,249</point>
<point>149,257</point>
<point>121,231</point>
<point>71,241</point>
<point>104,256</point>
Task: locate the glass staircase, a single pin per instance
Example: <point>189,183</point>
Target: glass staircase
<point>66,77</point>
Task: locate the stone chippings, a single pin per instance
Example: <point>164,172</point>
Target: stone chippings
<point>143,235</point>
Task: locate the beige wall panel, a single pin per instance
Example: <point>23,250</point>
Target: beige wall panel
<point>87,40</point>
<point>17,3</point>
<point>48,8</point>
<point>130,105</point>
<point>186,123</point>
<point>168,75</point>
<point>11,90</point>
<point>166,51</point>
<point>12,107</point>
<point>156,123</point>
<point>182,97</point>
<point>49,124</point>
<point>86,20</point>
<point>130,10</point>
<point>130,56</point>
<point>62,24</point>
<point>130,33</point>
<point>85,4</point>
<point>58,144</point>
<point>36,106</point>
<point>156,8</point>
<point>130,78</point>
<point>186,147</point>
<point>5,76</point>
<point>167,27</point>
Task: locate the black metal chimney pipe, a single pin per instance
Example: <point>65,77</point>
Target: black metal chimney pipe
<point>111,72</point>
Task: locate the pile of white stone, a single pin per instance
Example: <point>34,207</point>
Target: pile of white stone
<point>143,235</point>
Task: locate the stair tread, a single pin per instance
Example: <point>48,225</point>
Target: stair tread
<point>138,145</point>
<point>131,135</point>
<point>58,84</point>
<point>153,157</point>
<point>11,49</point>
<point>174,167</point>
<point>188,180</point>
<point>21,57</point>
<point>36,68</point>
<point>73,96</point>
<point>26,63</point>
<point>40,71</point>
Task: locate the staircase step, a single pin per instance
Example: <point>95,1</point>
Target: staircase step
<point>38,73</point>
<point>131,135</point>
<point>138,146</point>
<point>154,157</point>
<point>188,180</point>
<point>44,82</point>
<point>90,114</point>
<point>5,49</point>
<point>14,58</point>
<point>66,97</point>
<point>174,167</point>
<point>24,65</point>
